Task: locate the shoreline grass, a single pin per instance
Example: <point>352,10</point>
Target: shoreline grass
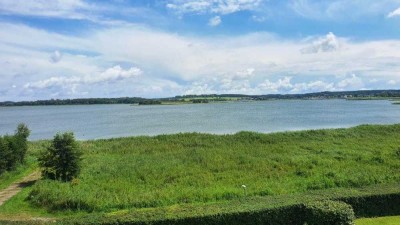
<point>164,170</point>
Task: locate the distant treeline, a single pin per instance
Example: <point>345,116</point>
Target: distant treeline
<point>316,95</point>
<point>214,97</point>
<point>84,101</point>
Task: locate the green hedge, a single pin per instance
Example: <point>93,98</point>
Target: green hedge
<point>329,212</point>
<point>316,213</point>
<point>375,205</point>
<point>296,209</point>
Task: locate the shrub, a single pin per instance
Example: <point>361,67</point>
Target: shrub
<point>329,212</point>
<point>4,155</point>
<point>13,148</point>
<point>62,159</point>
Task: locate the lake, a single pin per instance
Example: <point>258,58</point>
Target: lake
<point>106,121</point>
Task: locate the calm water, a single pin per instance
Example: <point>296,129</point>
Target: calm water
<point>105,121</point>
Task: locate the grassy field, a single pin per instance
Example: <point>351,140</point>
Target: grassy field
<point>391,220</point>
<point>141,172</point>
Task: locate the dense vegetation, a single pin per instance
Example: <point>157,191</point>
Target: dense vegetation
<point>13,148</point>
<point>84,101</point>
<point>62,159</point>
<point>164,170</point>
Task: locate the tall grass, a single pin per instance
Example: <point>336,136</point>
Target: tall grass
<point>141,172</point>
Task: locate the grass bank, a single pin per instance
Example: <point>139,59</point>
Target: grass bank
<point>390,220</point>
<point>167,170</point>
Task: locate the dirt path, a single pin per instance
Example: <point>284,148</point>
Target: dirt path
<point>16,187</point>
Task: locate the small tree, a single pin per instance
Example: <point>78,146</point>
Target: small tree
<point>21,141</point>
<point>62,159</point>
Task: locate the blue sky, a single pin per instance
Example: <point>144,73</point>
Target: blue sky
<point>159,48</point>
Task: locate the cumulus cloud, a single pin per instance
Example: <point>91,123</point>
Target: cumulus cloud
<point>244,74</point>
<point>394,13</point>
<point>282,85</point>
<point>329,43</point>
<point>55,57</point>
<point>251,63</point>
<point>115,73</point>
<point>112,74</point>
<point>215,21</point>
<point>353,82</point>
<point>212,6</point>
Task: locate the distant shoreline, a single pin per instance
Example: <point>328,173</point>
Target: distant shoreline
<point>202,99</point>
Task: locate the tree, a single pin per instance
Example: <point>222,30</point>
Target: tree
<point>62,159</point>
<point>21,141</point>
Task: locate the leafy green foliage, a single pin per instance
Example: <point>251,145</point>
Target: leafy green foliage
<point>329,212</point>
<point>13,148</point>
<point>62,159</point>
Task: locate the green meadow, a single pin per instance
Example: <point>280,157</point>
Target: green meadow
<point>167,170</point>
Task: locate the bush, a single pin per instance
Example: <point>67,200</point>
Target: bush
<point>13,148</point>
<point>62,159</point>
<point>329,212</point>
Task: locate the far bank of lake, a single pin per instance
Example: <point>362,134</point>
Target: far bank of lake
<point>106,121</point>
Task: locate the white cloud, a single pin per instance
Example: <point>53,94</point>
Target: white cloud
<point>392,82</point>
<point>342,9</point>
<point>329,43</point>
<point>394,13</point>
<point>212,6</point>
<point>73,9</point>
<point>55,57</point>
<point>244,74</point>
<point>113,74</point>
<point>351,83</point>
<point>259,19</point>
<point>314,86</point>
<point>100,12</point>
<point>282,85</point>
<point>252,63</point>
<point>215,21</point>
